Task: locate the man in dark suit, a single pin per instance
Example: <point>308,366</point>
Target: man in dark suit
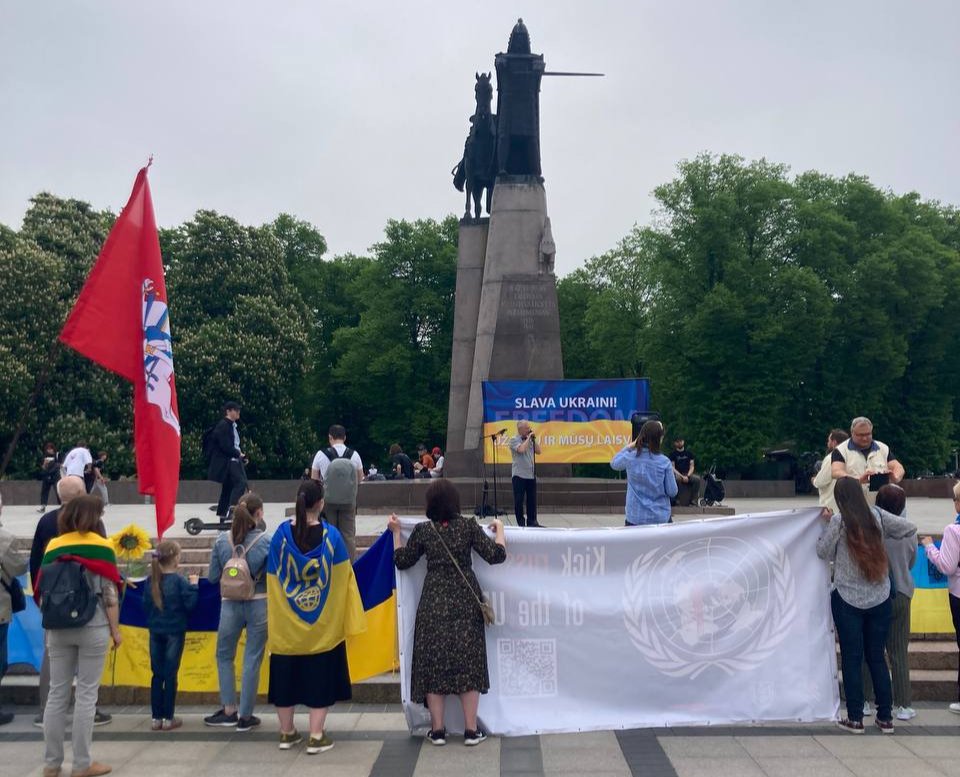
<point>227,459</point>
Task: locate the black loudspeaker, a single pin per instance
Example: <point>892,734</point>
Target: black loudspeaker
<point>639,418</point>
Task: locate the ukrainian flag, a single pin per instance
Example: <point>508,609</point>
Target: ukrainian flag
<point>370,653</point>
<point>375,651</point>
<point>929,609</point>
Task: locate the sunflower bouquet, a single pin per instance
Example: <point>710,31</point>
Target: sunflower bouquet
<point>130,545</point>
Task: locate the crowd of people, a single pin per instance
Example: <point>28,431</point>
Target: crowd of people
<point>266,590</point>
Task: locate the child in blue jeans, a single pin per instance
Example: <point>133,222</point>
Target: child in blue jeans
<point>171,599</point>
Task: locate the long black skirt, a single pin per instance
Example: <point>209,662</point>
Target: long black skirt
<point>317,680</point>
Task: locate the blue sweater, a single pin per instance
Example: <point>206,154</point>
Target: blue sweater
<point>179,599</point>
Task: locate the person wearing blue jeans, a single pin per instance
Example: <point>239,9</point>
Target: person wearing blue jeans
<point>237,615</point>
<point>863,637</point>
<point>860,600</point>
<point>11,565</point>
<point>166,650</point>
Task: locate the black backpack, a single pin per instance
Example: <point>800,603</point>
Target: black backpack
<point>66,599</point>
<point>206,444</point>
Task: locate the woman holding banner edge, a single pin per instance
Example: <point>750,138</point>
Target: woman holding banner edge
<point>861,596</point>
<point>651,483</point>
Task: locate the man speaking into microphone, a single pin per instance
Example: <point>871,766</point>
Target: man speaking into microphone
<point>523,448</point>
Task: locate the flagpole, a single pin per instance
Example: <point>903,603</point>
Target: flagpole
<point>31,401</point>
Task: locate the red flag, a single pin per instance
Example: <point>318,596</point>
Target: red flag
<point>121,322</point>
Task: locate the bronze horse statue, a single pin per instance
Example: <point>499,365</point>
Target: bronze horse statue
<point>477,170</point>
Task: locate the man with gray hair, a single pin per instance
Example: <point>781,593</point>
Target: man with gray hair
<point>869,461</point>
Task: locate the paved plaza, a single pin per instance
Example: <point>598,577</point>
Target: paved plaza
<point>373,740</point>
<point>930,515</point>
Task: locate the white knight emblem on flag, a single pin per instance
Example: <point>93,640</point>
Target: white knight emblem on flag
<point>158,354</point>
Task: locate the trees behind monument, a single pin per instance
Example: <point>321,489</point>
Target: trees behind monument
<point>763,307</point>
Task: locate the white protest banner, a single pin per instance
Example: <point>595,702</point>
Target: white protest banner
<point>702,622</point>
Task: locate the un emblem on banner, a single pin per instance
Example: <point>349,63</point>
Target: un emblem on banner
<point>720,602</point>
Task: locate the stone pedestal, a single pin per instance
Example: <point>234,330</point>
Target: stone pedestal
<point>506,323</point>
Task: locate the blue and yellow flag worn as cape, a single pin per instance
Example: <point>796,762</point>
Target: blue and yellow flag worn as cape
<point>313,603</point>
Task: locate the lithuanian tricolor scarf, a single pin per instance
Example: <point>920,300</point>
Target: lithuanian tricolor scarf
<point>88,548</point>
<point>313,603</point>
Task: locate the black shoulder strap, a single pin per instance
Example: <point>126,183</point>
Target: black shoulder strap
<point>348,453</point>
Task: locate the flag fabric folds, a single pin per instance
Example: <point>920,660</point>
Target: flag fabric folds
<point>121,322</point>
<point>929,608</point>
<point>313,603</point>
<point>375,650</point>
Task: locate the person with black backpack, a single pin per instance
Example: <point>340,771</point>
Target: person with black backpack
<point>340,470</point>
<point>79,604</point>
<point>11,597</point>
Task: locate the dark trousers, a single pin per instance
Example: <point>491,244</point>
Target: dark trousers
<point>688,493</point>
<point>525,488</point>
<point>898,639</point>
<point>45,486</point>
<point>4,628</point>
<point>955,614</point>
<point>234,486</point>
<point>862,635</point>
<point>165,653</point>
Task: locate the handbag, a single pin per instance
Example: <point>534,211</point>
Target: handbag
<point>486,609</point>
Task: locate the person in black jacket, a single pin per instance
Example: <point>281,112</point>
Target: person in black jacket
<point>227,460</point>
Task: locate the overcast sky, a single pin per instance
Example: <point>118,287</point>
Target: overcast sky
<point>348,114</point>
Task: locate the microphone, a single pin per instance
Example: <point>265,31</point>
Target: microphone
<point>502,431</point>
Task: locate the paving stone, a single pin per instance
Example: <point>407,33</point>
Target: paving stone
<point>774,746</point>
<point>707,746</point>
<point>869,745</point>
<point>891,767</point>
<point>803,766</point>
<point>456,758</point>
<point>716,767</point>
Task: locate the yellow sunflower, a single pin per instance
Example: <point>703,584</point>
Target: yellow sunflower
<point>131,542</point>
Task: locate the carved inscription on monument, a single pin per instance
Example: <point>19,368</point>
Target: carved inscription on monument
<point>526,306</point>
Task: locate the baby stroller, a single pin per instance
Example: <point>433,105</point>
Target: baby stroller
<point>713,492</point>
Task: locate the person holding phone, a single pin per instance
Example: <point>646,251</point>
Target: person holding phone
<point>524,447</point>
<point>651,482</point>
<point>869,461</point>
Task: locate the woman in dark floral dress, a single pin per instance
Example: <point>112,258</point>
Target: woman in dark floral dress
<point>449,647</point>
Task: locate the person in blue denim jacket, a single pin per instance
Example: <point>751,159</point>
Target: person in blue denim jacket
<point>650,480</point>
<point>236,615</point>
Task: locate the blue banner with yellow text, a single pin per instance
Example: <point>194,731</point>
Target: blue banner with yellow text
<point>577,421</point>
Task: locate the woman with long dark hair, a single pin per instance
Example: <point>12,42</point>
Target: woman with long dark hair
<point>314,605</point>
<point>860,600</point>
<point>245,538</point>
<point>946,558</point>
<point>651,483</point>
<point>449,646</point>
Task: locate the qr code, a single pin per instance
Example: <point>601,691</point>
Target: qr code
<point>528,667</point>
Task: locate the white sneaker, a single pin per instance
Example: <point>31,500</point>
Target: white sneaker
<point>955,707</point>
<point>868,710</point>
<point>905,713</point>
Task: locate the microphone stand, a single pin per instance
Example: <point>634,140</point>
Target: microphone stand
<point>496,485</point>
<point>533,461</point>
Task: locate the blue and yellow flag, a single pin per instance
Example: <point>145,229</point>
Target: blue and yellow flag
<point>369,653</point>
<point>312,599</point>
<point>929,608</point>
<point>376,651</point>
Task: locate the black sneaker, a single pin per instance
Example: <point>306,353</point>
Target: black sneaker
<point>101,718</point>
<point>438,737</point>
<point>6,717</point>
<point>245,724</point>
<point>221,718</point>
<point>473,737</point>
<point>38,720</point>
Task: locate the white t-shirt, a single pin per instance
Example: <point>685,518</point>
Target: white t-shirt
<point>75,461</point>
<point>321,462</point>
<point>437,471</point>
